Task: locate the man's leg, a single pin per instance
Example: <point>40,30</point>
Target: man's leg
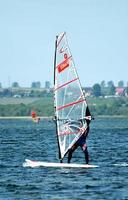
<point>85,150</point>
<point>71,152</point>
<point>70,155</point>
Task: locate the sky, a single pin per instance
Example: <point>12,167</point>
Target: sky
<point>97,32</point>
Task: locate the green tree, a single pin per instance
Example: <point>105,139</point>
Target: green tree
<point>7,93</point>
<point>121,84</point>
<point>96,89</point>
<point>36,84</point>
<point>112,90</point>
<point>15,84</point>
<point>102,84</point>
<point>126,90</point>
<point>103,88</point>
<point>33,85</point>
<point>110,83</point>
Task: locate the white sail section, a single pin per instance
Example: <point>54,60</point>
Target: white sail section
<point>70,104</point>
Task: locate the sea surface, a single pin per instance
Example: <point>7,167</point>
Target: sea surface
<point>108,148</point>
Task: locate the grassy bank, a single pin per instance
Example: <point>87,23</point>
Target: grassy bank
<point>22,107</point>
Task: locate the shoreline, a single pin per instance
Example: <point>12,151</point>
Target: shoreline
<point>51,117</point>
<point>23,117</point>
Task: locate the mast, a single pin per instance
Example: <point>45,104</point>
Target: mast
<point>55,117</point>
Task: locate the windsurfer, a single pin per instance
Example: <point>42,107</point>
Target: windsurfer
<point>34,117</point>
<point>82,143</point>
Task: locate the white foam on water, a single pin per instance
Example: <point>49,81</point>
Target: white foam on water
<point>121,164</point>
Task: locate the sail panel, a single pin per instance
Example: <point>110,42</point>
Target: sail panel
<point>63,85</point>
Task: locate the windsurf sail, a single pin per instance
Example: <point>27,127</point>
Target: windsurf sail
<point>72,114</point>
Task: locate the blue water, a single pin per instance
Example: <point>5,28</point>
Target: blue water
<point>107,144</point>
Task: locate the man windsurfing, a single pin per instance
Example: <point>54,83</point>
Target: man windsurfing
<point>34,116</point>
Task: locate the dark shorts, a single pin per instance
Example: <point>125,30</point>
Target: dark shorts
<point>82,143</point>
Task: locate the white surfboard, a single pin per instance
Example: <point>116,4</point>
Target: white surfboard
<point>31,163</point>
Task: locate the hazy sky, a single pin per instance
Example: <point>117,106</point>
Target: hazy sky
<point>97,32</point>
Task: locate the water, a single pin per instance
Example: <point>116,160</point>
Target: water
<point>107,144</point>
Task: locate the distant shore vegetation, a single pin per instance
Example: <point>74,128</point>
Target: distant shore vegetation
<point>44,106</point>
<point>103,99</point>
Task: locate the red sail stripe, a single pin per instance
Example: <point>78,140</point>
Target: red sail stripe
<point>60,39</point>
<point>82,130</point>
<point>70,104</point>
<point>67,133</point>
<point>66,84</point>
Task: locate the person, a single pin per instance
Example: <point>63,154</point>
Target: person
<point>34,117</point>
<point>82,143</point>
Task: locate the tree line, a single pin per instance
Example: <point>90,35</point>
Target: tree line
<point>102,89</point>
<point>37,84</point>
<point>109,90</point>
<point>34,84</point>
